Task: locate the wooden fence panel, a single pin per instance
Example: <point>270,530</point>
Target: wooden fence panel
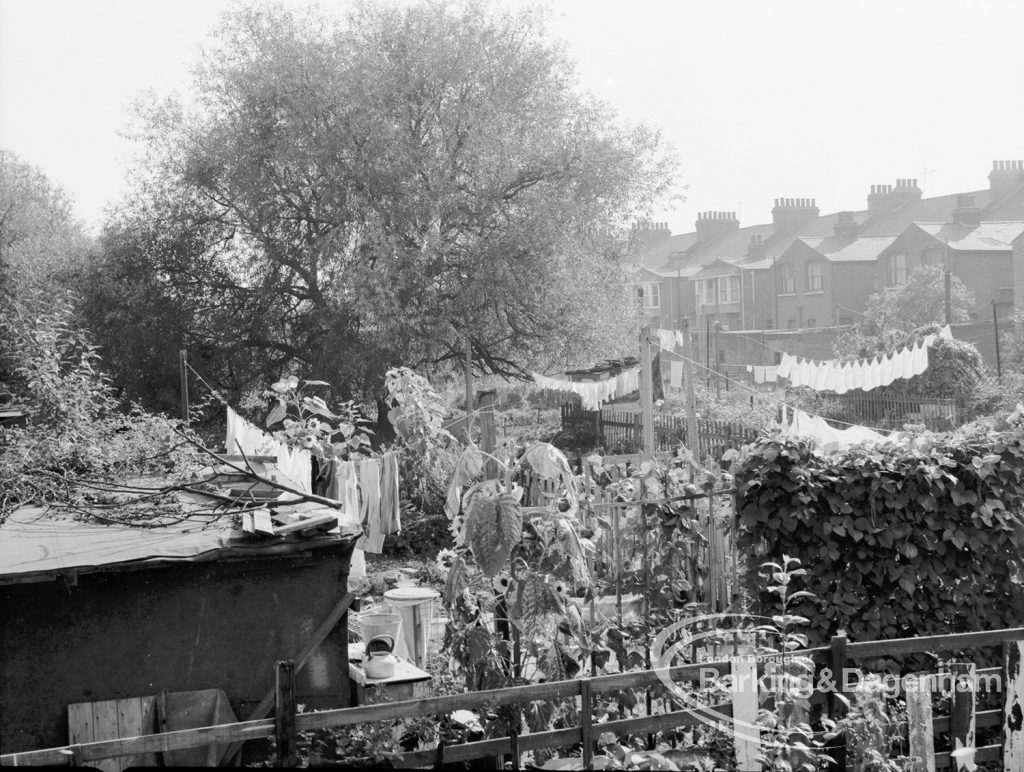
<point>919,722</point>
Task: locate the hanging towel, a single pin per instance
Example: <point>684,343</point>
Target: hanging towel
<point>675,376</point>
<point>841,378</point>
<point>667,339</point>
<point>919,357</point>
<point>771,374</point>
<point>758,374</point>
<point>946,333</point>
<point>785,366</point>
<point>885,374</point>
<point>390,511</point>
<point>342,487</point>
<point>369,506</point>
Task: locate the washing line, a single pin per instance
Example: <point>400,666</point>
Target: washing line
<point>779,402</point>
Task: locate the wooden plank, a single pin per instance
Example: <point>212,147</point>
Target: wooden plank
<point>1013,705</point>
<point>961,714</point>
<point>984,753</point>
<point>104,725</point>
<point>80,728</point>
<point>746,734</point>
<point>982,718</point>
<point>135,718</point>
<point>284,714</point>
<point>919,722</point>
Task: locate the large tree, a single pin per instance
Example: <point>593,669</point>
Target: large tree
<point>344,194</point>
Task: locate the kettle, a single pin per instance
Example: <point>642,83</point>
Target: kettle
<point>379,660</point>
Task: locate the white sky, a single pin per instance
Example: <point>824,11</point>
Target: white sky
<point>762,98</point>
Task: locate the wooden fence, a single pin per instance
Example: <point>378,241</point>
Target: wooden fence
<point>960,725</point>
<point>622,432</point>
<point>891,411</point>
<point>712,564</point>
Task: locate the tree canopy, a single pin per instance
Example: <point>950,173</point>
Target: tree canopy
<point>346,194</point>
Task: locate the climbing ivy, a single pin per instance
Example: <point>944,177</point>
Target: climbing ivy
<point>919,539</point>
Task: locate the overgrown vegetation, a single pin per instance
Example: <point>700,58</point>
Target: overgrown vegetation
<point>900,540</point>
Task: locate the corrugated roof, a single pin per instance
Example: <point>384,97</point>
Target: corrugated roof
<point>844,251</point>
<point>985,237</point>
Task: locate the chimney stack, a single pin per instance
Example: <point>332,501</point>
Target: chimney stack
<point>906,190</point>
<point>880,199</point>
<point>711,225</point>
<point>646,232</point>
<point>755,249</point>
<point>846,227</point>
<point>966,213</point>
<point>788,213</point>
<point>1005,177</point>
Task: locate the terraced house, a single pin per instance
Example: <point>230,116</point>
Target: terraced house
<point>808,270</point>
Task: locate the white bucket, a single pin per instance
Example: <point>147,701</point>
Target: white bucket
<point>416,607</point>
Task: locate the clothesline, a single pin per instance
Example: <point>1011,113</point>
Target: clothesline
<point>593,393</point>
<point>762,395</point>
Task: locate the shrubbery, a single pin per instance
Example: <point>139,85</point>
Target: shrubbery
<point>897,541</point>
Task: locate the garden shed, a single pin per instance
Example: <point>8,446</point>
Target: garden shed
<point>97,612</point>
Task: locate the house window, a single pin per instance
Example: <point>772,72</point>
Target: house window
<point>650,294</point>
<point>728,289</point>
<point>811,323</point>
<point>896,269</point>
<point>721,355</point>
<point>788,282</point>
<point>815,277</point>
<point>769,324</point>
<point>709,292</point>
<point>932,257</point>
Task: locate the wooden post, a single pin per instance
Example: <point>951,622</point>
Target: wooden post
<point>587,721</point>
<point>488,432</point>
<point>961,712</point>
<point>746,732</point>
<point>1013,705</point>
<point>995,327</point>
<point>183,366</point>
<point>837,662</point>
<point>284,714</point>
<point>647,393</point>
<point>692,440</point>
<point>919,722</point>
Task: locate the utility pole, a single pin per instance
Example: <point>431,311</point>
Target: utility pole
<point>948,280</point>
<point>183,367</point>
<point>692,439</point>
<point>995,326</point>
<point>647,393</point>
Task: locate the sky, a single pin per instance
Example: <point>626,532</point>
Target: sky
<point>762,99</point>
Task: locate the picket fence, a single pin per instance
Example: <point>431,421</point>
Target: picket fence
<point>622,432</point>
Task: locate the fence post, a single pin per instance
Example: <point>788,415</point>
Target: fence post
<point>587,721</point>
<point>1013,705</point>
<point>837,661</point>
<point>961,713</point>
<point>919,722</point>
<point>746,732</point>
<point>284,714</point>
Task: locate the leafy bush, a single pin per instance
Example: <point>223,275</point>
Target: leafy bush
<point>75,424</point>
<point>898,540</point>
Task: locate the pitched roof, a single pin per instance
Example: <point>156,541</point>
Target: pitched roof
<point>987,236</point>
<point>844,251</point>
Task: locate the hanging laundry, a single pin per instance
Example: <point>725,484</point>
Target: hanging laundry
<point>390,511</point>
<point>667,339</point>
<point>342,486</point>
<point>675,375</point>
<point>919,357</point>
<point>771,374</point>
<point>369,507</point>
<point>785,365</point>
<point>628,382</point>
<point>591,393</point>
<point>828,438</point>
<point>657,384</point>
